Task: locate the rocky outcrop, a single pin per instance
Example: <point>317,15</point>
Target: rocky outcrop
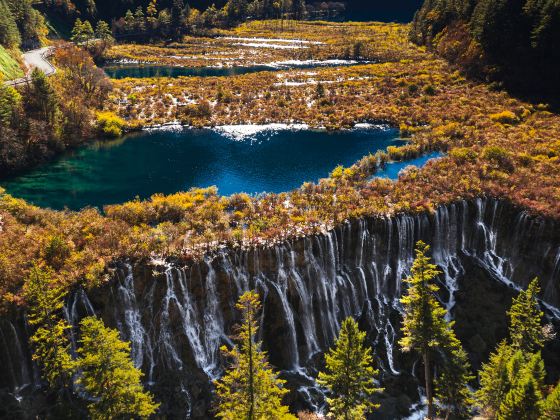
<point>177,317</point>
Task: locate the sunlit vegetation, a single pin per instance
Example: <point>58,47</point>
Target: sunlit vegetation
<point>50,114</point>
<point>490,152</point>
<point>357,41</point>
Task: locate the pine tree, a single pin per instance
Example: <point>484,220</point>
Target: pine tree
<point>103,32</point>
<point>452,389</point>
<point>77,31</point>
<point>51,347</point>
<point>9,32</point>
<point>151,15</point>
<point>10,102</point>
<point>42,98</point>
<point>494,380</point>
<point>349,375</point>
<point>551,408</point>
<point>139,20</point>
<point>129,22</point>
<point>108,375</point>
<point>82,32</point>
<point>250,389</point>
<point>525,318</point>
<point>524,399</point>
<point>424,326</point>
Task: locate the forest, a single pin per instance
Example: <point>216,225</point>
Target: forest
<point>507,42</point>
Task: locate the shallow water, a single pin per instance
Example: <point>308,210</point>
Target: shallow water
<point>139,71</point>
<point>170,161</point>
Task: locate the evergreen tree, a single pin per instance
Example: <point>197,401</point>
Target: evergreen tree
<point>51,347</point>
<point>42,98</point>
<point>77,31</point>
<point>139,20</point>
<point>10,102</point>
<point>551,407</point>
<point>525,318</point>
<point>494,380</point>
<point>524,398</point>
<point>250,389</point>
<point>452,389</point>
<point>129,22</point>
<point>151,15</point>
<point>108,375</point>
<point>82,32</point>
<point>9,32</point>
<point>513,380</point>
<point>349,374</point>
<point>424,326</point>
<point>103,32</point>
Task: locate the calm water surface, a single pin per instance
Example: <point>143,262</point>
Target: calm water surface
<point>120,71</point>
<point>167,162</point>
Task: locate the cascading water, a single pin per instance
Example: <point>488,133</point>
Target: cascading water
<point>178,317</point>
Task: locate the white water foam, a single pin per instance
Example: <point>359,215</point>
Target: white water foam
<point>249,131</point>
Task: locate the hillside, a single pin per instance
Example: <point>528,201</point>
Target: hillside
<point>513,43</point>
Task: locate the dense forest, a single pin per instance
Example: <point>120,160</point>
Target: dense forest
<point>510,41</point>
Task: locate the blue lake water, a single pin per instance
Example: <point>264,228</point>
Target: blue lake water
<point>392,169</point>
<point>166,162</point>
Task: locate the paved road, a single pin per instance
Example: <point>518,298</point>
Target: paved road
<point>35,59</point>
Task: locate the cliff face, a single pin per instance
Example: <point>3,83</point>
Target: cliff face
<point>178,317</point>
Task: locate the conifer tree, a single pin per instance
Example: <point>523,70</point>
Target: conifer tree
<point>494,380</point>
<point>424,326</point>
<point>51,347</point>
<point>108,375</point>
<point>512,381</point>
<point>10,102</point>
<point>551,408</point>
<point>42,98</point>
<point>82,31</point>
<point>524,398</point>
<point>349,374</point>
<point>525,317</point>
<point>250,389</point>
<point>103,31</point>
<point>9,32</point>
<point>452,389</point>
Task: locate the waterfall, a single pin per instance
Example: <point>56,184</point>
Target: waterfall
<point>177,317</point>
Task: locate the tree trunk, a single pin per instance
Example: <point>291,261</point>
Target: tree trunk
<point>428,377</point>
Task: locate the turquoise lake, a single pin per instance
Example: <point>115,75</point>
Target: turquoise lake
<point>167,161</point>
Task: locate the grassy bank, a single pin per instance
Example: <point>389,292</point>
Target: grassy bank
<point>9,66</point>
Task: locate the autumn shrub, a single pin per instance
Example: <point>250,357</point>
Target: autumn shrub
<point>110,124</point>
<point>498,155</point>
<point>463,154</point>
<point>505,117</point>
<point>56,251</point>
